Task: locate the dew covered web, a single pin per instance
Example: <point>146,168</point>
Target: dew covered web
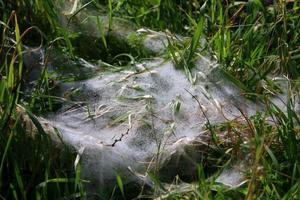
<point>149,118</point>
<point>154,118</point>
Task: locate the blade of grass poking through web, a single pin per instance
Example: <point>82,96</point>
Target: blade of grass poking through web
<point>101,30</point>
<point>120,185</point>
<point>179,60</point>
<point>172,51</point>
<point>46,78</point>
<point>77,166</point>
<point>195,39</point>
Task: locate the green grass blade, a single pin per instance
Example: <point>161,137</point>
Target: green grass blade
<point>195,39</point>
<point>120,185</point>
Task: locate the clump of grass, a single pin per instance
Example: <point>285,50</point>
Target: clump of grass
<point>184,56</point>
<point>269,141</point>
<point>31,167</point>
<point>252,40</point>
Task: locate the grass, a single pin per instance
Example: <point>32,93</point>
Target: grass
<point>253,41</point>
<point>31,167</point>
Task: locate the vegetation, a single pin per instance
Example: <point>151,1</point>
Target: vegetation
<point>254,41</point>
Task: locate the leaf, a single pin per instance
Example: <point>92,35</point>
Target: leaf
<point>196,38</point>
<point>120,185</point>
<point>36,123</point>
<point>273,157</point>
